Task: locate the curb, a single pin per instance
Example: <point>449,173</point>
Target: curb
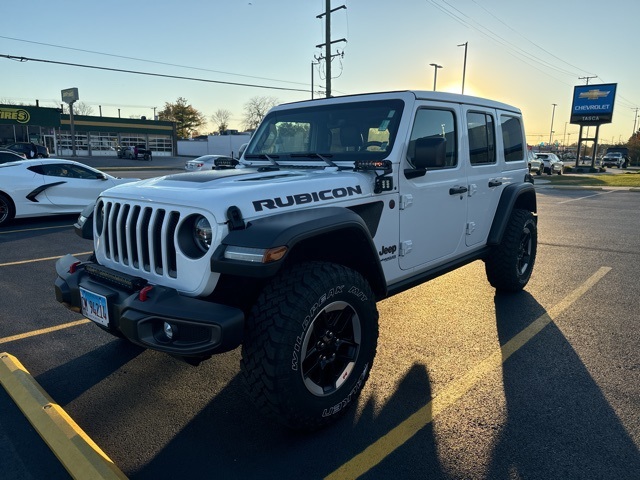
<point>79,455</point>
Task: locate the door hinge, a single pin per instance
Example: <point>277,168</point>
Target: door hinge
<point>471,226</point>
<point>405,247</point>
<point>406,201</point>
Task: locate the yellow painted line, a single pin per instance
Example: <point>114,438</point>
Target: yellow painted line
<point>34,229</point>
<point>79,455</point>
<point>387,444</point>
<point>22,262</point>
<point>43,331</point>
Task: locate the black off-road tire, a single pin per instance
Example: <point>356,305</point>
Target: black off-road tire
<point>309,344</point>
<point>7,209</point>
<point>509,265</point>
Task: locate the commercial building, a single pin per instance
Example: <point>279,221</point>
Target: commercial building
<point>94,136</point>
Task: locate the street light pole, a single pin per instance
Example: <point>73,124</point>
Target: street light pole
<point>464,67</point>
<point>435,74</point>
<point>552,115</point>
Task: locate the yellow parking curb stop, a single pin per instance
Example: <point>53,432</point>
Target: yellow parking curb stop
<point>79,455</point>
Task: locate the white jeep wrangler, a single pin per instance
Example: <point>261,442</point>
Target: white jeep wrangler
<point>336,204</point>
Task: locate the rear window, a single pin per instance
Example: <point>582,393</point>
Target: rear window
<point>512,138</point>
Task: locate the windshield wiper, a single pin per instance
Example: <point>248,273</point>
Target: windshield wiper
<point>324,157</point>
<point>264,156</point>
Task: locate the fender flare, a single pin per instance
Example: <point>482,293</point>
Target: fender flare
<point>292,229</point>
<point>515,195</point>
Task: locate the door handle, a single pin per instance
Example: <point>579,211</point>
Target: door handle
<point>457,190</point>
<point>495,182</point>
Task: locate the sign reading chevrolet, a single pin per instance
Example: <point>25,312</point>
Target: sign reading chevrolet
<point>593,104</point>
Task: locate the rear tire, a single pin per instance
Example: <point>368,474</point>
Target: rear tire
<point>309,345</point>
<point>509,265</point>
<point>7,209</point>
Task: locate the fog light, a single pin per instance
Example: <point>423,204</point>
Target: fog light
<point>170,330</point>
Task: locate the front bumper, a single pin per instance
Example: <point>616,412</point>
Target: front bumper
<point>200,328</point>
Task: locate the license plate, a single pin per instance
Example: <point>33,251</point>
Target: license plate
<point>94,307</point>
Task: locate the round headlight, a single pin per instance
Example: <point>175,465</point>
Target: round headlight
<point>202,233</point>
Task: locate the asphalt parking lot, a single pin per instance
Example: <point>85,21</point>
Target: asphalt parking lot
<point>467,384</point>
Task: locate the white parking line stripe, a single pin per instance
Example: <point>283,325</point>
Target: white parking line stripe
<point>588,196</point>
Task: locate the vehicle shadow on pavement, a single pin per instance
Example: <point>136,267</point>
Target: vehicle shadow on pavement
<point>233,440</point>
<point>559,423</point>
<point>70,380</point>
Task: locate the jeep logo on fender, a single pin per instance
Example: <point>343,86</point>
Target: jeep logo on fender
<point>302,198</point>
<point>387,250</point>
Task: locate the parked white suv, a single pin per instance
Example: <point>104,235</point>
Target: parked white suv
<point>335,205</point>
<point>612,159</point>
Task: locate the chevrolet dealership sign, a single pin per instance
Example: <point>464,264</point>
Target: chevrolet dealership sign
<point>593,104</point>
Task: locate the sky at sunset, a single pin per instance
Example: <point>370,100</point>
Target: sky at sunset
<point>528,54</point>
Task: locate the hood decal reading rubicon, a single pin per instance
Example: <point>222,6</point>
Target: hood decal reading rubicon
<point>302,198</point>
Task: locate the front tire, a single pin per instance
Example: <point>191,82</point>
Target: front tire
<point>309,345</point>
<point>509,265</point>
<point>7,209</point>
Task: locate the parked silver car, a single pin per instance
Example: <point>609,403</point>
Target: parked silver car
<point>549,164</point>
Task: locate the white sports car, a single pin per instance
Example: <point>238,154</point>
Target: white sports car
<point>41,187</point>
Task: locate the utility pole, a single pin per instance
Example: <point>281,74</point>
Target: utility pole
<point>464,67</point>
<point>586,78</point>
<point>327,42</point>
<point>552,115</point>
<point>435,74</point>
<point>635,121</point>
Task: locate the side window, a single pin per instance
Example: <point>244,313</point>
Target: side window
<point>55,170</point>
<point>435,123</point>
<point>512,138</point>
<point>482,138</point>
<point>77,171</point>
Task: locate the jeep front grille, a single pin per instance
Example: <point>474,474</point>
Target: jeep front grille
<point>140,238</point>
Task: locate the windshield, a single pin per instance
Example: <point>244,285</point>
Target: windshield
<point>348,131</point>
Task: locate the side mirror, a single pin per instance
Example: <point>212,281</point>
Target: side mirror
<point>429,152</point>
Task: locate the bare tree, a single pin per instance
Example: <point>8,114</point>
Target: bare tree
<point>220,119</point>
<point>255,110</point>
<point>79,108</point>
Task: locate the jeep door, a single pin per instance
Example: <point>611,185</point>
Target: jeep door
<point>485,179</point>
<point>433,205</point>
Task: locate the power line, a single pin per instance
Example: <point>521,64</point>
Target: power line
<point>148,61</point>
<point>486,32</point>
<point>150,74</point>
<point>447,8</point>
<point>527,39</point>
